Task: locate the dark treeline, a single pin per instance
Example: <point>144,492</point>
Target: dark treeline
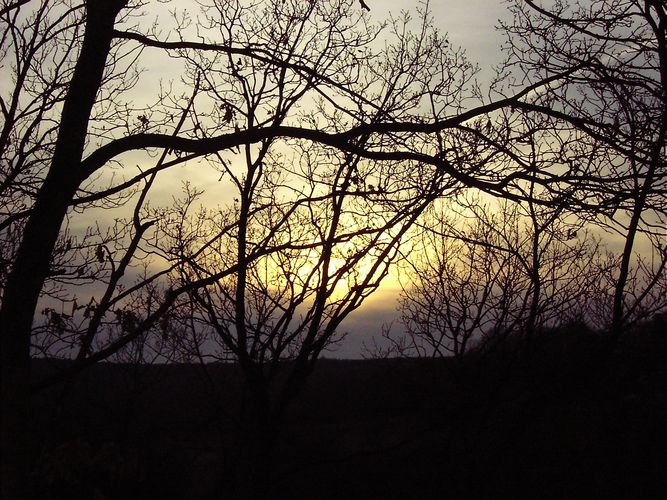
<point>207,226</point>
<point>560,422</point>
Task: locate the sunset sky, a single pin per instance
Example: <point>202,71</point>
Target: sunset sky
<point>470,24</point>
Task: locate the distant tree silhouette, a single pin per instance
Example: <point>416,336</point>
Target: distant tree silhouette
<point>497,269</point>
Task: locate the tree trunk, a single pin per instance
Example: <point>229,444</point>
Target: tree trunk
<point>39,238</point>
<point>253,477</point>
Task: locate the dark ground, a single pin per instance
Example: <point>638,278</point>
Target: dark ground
<point>560,421</point>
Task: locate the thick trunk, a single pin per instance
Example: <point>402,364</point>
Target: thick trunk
<point>41,232</point>
<point>267,403</point>
<point>618,313</point>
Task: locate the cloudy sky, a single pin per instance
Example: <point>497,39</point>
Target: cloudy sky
<point>470,24</point>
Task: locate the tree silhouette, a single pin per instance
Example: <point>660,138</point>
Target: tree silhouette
<point>490,273</point>
<point>282,74</point>
<point>611,114</point>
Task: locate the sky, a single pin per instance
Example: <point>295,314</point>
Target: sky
<point>469,24</point>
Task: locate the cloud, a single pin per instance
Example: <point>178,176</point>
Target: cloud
<point>364,326</point>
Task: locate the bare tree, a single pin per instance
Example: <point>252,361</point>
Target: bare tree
<point>494,270</point>
<point>296,252</point>
<point>72,130</point>
<point>615,102</point>
<point>310,262</point>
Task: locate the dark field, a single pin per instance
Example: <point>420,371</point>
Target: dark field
<point>561,420</point>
